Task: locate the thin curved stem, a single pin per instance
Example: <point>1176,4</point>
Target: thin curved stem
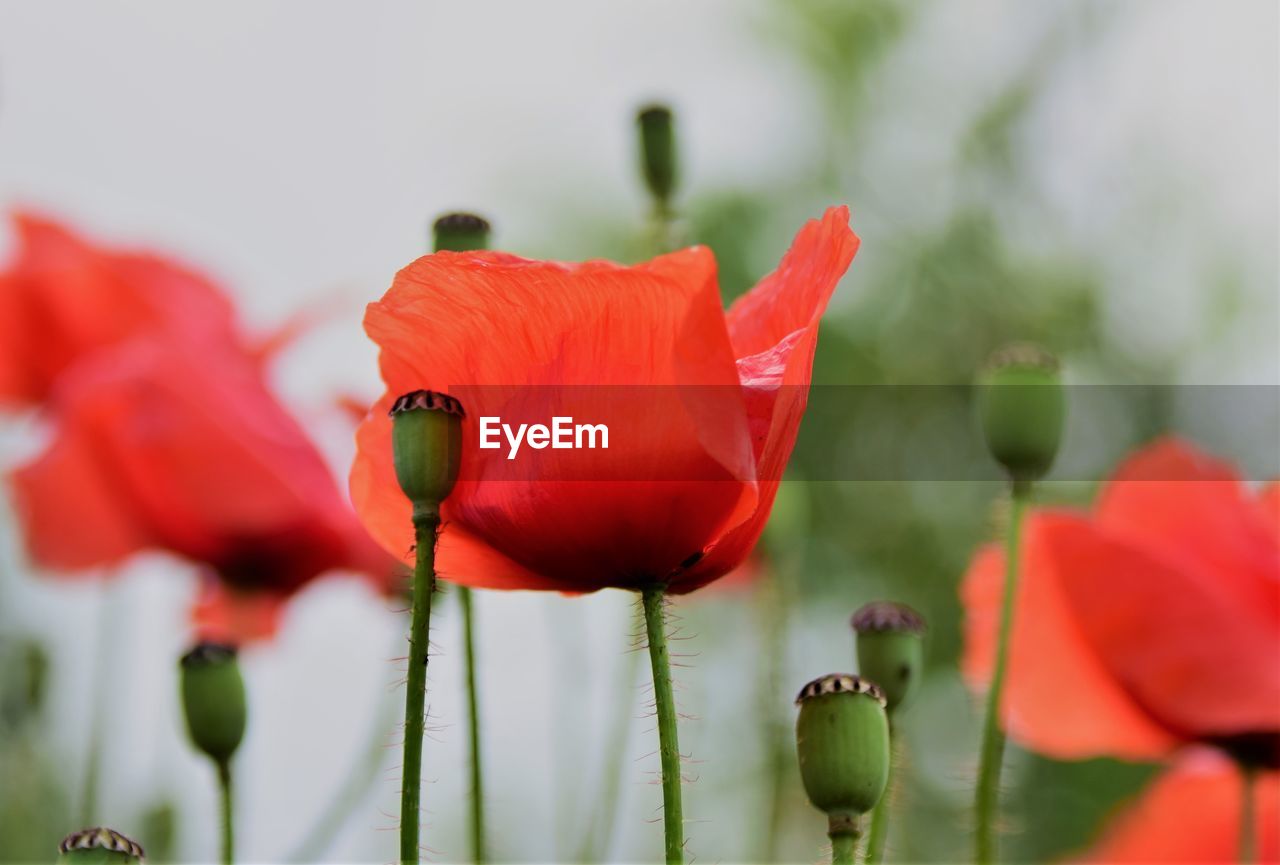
<point>879,831</point>
<point>1248,851</point>
<point>988,789</point>
<point>425,523</point>
<point>653,598</point>
<point>228,813</point>
<point>478,852</point>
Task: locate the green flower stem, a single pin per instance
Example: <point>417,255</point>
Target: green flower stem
<point>653,598</point>
<point>595,846</point>
<point>1248,850</point>
<point>478,853</point>
<point>988,789</point>
<point>880,816</point>
<point>843,833</point>
<point>106,642</point>
<point>775,732</point>
<point>228,813</point>
<point>426,519</point>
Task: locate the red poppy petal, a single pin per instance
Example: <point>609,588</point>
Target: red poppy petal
<point>643,350</point>
<point>1192,509</point>
<point>1269,499</point>
<point>226,615</point>
<point>1191,814</point>
<point>775,332</point>
<point>1176,638</point>
<point>1060,698</point>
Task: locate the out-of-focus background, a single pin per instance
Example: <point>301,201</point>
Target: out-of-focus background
<point>1098,176</point>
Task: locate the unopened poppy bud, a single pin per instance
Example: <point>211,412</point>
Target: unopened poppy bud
<point>99,846</point>
<point>890,645</point>
<point>426,443</point>
<point>460,232</point>
<point>658,151</point>
<point>842,739</point>
<point>1022,405</point>
<point>213,700</point>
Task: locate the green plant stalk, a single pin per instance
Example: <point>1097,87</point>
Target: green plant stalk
<point>106,642</point>
<point>844,840</point>
<point>653,598</point>
<point>1247,853</point>
<point>599,838</point>
<point>774,732</point>
<point>987,794</point>
<point>228,813</point>
<point>426,519</point>
<point>478,852</point>
<point>880,816</point>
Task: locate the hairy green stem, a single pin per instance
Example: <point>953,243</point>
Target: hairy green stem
<point>988,789</point>
<point>880,816</point>
<point>228,813</point>
<point>1247,853</point>
<point>478,852</point>
<point>653,598</point>
<point>595,846</point>
<point>843,833</point>
<point>425,522</point>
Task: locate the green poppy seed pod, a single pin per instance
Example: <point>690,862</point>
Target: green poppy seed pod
<point>658,151</point>
<point>890,645</point>
<point>460,232</point>
<point>842,739</point>
<point>426,443</point>
<point>1022,404</point>
<point>213,700</point>
<point>98,846</point>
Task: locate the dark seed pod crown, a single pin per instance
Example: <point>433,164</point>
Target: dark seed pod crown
<point>102,838</point>
<point>887,616</point>
<point>654,111</point>
<point>427,400</point>
<point>203,654</point>
<point>462,222</point>
<point>840,683</point>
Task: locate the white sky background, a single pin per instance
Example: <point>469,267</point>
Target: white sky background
<point>297,150</point>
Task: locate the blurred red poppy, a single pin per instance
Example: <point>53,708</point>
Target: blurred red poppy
<point>159,447</point>
<point>703,409</point>
<point>62,296</point>
<point>1191,814</point>
<point>1152,622</point>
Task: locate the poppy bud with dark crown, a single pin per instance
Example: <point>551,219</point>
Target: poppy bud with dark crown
<point>426,443</point>
<point>460,232</point>
<point>1022,405</point>
<point>213,700</point>
<point>656,126</point>
<point>890,647</point>
<point>842,740</point>
<point>99,846</point>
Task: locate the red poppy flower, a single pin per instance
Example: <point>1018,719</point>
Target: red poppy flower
<point>159,447</point>
<point>702,406</point>
<point>1191,814</point>
<point>62,296</point>
<point>1150,623</point>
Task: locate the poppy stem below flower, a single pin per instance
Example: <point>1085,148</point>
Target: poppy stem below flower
<point>478,852</point>
<point>426,519</point>
<point>880,816</point>
<point>844,842</point>
<point>988,789</point>
<point>228,812</point>
<point>653,599</point>
<point>1248,850</point>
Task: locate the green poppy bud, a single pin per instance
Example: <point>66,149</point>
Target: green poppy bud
<point>460,232</point>
<point>842,739</point>
<point>1022,405</point>
<point>426,444</point>
<point>99,846</point>
<point>658,151</point>
<point>213,700</point>
<point>890,643</point>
